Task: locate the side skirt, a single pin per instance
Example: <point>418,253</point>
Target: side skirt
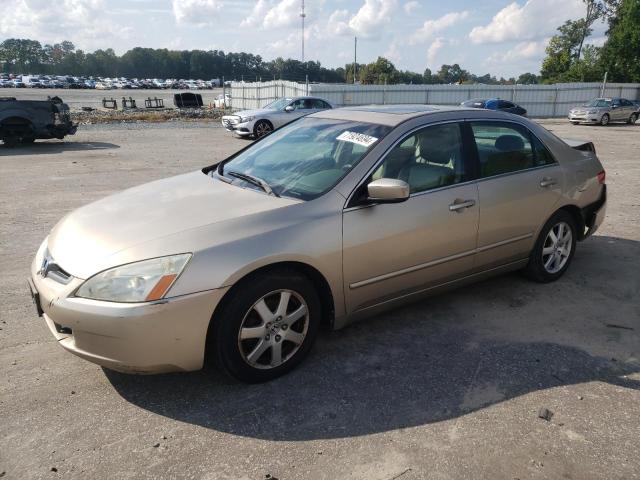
<point>417,295</point>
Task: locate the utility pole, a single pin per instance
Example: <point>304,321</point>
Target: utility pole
<point>302,17</point>
<point>355,58</point>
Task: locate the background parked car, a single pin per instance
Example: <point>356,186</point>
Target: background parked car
<point>604,111</point>
<point>274,115</point>
<point>495,104</point>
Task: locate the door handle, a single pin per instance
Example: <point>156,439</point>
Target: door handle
<point>458,206</point>
<point>547,182</point>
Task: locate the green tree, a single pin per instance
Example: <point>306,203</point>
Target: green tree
<point>452,74</point>
<point>380,72</point>
<point>620,55</point>
<point>528,79</point>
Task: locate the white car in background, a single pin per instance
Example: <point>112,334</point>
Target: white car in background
<point>273,115</point>
<point>222,101</point>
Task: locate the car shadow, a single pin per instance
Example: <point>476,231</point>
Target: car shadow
<point>435,360</point>
<point>55,146</point>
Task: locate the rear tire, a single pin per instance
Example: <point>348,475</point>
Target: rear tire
<point>267,327</point>
<point>604,121</point>
<point>554,249</point>
<point>574,123</point>
<point>633,119</point>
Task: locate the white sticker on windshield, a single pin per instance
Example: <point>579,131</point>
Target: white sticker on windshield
<point>358,138</point>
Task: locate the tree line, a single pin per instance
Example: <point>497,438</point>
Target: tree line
<point>568,59</point>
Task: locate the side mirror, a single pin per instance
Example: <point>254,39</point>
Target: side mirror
<point>388,190</point>
<point>289,108</point>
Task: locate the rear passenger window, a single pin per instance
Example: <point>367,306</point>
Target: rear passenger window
<point>430,158</point>
<point>543,155</point>
<point>502,148</point>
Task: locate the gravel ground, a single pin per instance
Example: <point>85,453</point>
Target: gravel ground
<point>448,388</point>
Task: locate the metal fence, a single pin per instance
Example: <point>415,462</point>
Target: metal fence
<point>539,100</point>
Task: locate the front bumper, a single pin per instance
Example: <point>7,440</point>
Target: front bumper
<point>156,337</point>
<point>232,125</point>
<point>584,118</point>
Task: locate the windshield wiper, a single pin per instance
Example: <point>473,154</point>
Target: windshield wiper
<point>255,181</point>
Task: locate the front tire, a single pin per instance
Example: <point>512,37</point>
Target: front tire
<point>267,328</point>
<point>554,249</point>
<point>262,128</point>
<point>604,121</point>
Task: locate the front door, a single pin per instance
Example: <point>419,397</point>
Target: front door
<point>393,249</point>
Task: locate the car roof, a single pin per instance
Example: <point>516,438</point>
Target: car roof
<point>390,115</point>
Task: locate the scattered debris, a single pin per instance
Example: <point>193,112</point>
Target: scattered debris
<point>156,445</point>
<point>623,327</point>
<point>88,109</point>
<point>154,102</point>
<point>110,104</point>
<point>128,104</point>
<point>150,116</point>
<point>187,100</point>
<point>54,469</point>
<point>545,414</point>
<point>580,397</point>
<point>164,437</point>
<point>73,392</point>
<point>268,476</point>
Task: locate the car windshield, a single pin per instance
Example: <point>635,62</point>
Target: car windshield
<point>306,158</point>
<point>278,104</point>
<point>598,102</point>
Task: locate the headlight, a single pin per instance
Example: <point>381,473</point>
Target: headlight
<point>135,282</point>
<point>246,119</point>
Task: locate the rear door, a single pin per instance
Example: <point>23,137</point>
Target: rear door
<point>519,186</point>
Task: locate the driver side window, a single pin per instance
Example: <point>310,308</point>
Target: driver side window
<point>427,159</point>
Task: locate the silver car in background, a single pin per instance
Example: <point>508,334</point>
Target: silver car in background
<point>604,111</point>
<point>334,217</point>
<point>260,122</point>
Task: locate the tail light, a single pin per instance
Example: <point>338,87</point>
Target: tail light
<point>601,177</point>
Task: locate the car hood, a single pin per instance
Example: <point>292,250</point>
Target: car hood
<point>89,239</point>
<point>253,113</point>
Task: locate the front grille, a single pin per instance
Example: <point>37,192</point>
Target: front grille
<point>50,269</point>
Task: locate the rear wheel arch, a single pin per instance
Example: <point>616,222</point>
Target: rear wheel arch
<point>578,218</point>
<point>319,281</point>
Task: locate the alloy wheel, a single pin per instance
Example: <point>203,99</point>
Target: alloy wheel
<point>262,128</point>
<point>273,329</point>
<point>557,247</point>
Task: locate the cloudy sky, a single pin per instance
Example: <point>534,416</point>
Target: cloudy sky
<point>501,37</point>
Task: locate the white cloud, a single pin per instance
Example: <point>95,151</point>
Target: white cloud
<point>196,12</point>
<point>431,27</point>
<point>522,51</point>
<point>533,20</point>
<point>411,7</point>
<point>338,23</point>
<point>70,19</point>
<point>433,50</point>
<point>372,15</point>
<point>284,14</point>
<point>256,16</point>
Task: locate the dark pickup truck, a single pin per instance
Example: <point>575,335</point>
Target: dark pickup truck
<point>24,121</point>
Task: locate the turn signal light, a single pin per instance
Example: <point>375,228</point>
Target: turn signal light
<point>161,287</point>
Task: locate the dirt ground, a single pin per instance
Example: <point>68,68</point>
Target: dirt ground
<point>448,388</point>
